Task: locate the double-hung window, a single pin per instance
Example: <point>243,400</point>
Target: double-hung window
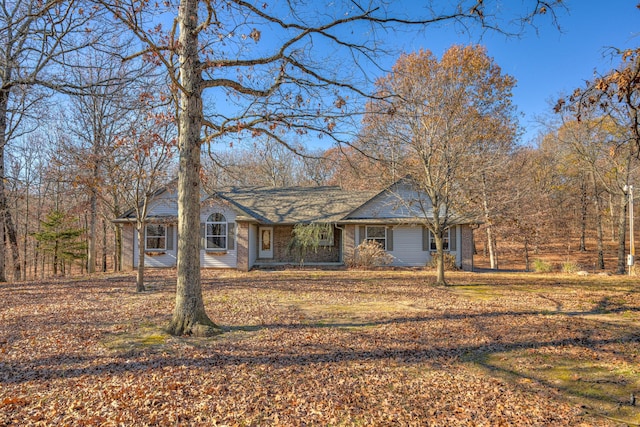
<point>377,234</point>
<point>445,240</point>
<point>216,232</point>
<point>156,237</point>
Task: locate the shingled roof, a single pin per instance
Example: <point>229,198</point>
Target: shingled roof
<point>293,205</point>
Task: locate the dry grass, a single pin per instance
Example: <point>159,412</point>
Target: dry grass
<point>324,348</point>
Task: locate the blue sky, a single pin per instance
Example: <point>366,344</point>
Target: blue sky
<point>552,62</point>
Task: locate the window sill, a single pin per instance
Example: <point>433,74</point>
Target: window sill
<point>155,253</point>
<point>214,252</point>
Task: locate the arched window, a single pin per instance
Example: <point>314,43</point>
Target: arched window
<point>216,232</point>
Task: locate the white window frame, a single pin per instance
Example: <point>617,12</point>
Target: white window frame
<point>382,240</point>
<point>445,243</point>
<point>159,237</point>
<point>325,238</point>
<point>208,235</point>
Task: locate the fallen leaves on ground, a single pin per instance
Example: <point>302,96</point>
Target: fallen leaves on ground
<point>322,348</point>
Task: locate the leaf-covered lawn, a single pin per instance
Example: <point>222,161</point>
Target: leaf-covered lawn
<point>324,348</point>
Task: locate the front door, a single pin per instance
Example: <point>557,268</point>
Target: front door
<point>265,242</point>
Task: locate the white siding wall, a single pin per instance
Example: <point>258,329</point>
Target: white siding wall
<point>167,204</point>
<point>407,247</point>
<point>401,203</point>
<point>229,258</point>
<point>164,259</point>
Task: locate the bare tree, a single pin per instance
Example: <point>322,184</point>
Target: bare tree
<point>446,117</point>
<point>589,143</point>
<point>617,95</point>
<point>35,39</point>
<point>144,167</point>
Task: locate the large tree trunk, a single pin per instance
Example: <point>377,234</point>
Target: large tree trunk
<point>12,237</point>
<point>117,236</point>
<point>4,106</point>
<point>55,258</point>
<point>25,237</point>
<point>189,316</point>
<point>440,280</point>
<point>612,218</point>
<point>622,219</point>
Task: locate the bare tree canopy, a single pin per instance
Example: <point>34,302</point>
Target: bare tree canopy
<point>442,122</point>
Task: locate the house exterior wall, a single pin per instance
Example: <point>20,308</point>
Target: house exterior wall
<point>127,247</point>
<point>402,202</point>
<point>166,258</point>
<point>165,204</point>
<point>407,240</point>
<point>407,247</point>
<point>466,247</point>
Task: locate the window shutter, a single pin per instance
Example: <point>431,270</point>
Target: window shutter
<point>362,233</point>
<point>425,239</point>
<point>390,239</point>
<point>203,243</point>
<point>231,236</point>
<point>170,237</point>
<point>453,239</point>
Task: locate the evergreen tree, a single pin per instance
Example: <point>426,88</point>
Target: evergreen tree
<point>59,239</point>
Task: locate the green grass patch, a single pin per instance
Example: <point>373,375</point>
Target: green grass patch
<point>144,337</point>
<point>601,387</point>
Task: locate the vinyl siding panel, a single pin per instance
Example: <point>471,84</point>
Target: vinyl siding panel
<point>167,205</point>
<point>401,203</point>
<point>128,259</point>
<point>407,247</point>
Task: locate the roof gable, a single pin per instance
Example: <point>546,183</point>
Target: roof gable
<point>398,201</point>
